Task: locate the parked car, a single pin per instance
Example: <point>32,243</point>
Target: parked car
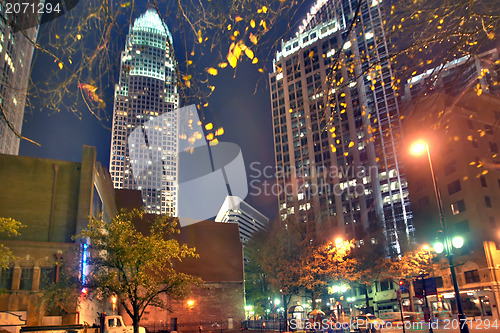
<point>368,323</point>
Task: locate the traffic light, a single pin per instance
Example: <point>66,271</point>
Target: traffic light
<point>402,284</point>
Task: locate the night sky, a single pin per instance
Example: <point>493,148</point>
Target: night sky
<point>245,117</point>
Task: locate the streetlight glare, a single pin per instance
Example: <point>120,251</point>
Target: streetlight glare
<point>418,148</point>
<point>457,242</point>
<point>426,248</point>
<point>438,247</point>
<point>338,240</point>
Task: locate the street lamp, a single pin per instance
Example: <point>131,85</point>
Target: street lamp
<point>419,148</point>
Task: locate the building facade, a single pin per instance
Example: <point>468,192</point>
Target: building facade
<point>54,200</point>
<point>337,125</point>
<point>460,120</point>
<point>16,51</point>
<point>144,141</point>
<point>249,219</point>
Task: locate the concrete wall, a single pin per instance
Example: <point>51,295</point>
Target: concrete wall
<point>54,200</point>
<point>28,195</point>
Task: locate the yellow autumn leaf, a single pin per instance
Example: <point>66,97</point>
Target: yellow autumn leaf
<point>255,60</point>
<point>237,51</point>
<point>229,27</point>
<point>261,70</point>
<point>60,64</point>
<point>220,131</point>
<point>212,88</point>
<point>334,149</point>
<point>253,38</point>
<point>232,59</point>
<point>209,126</point>
<point>125,4</point>
<point>264,9</point>
<point>214,142</point>
<point>311,54</point>
<point>78,36</point>
<point>252,23</point>
<point>249,53</point>
<point>200,39</point>
<point>351,144</point>
<point>212,71</point>
<point>190,62</point>
<point>222,65</point>
<point>205,105</point>
<point>263,24</point>
<point>237,19</point>
<point>210,136</point>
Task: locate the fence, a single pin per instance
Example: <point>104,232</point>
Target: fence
<point>194,327</point>
<point>279,325</point>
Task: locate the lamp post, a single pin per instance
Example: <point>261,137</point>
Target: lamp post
<point>417,149</point>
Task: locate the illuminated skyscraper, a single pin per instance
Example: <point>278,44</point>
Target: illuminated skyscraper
<point>336,129</point>
<point>144,142</point>
<point>16,51</point>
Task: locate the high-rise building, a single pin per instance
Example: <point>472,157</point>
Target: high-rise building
<point>337,125</point>
<point>462,131</point>
<point>16,51</point>
<point>249,219</point>
<point>478,72</point>
<point>145,127</point>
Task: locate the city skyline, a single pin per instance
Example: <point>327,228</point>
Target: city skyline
<point>233,106</point>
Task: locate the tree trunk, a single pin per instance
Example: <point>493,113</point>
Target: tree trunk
<point>136,320</point>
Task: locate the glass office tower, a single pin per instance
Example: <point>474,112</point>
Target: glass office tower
<point>337,126</point>
<point>145,126</point>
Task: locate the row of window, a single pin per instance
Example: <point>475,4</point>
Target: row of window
<point>47,276</point>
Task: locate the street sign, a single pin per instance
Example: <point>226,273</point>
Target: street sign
<point>430,286</point>
<point>418,287</point>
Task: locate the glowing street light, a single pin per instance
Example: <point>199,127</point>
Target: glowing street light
<point>419,148</point>
<point>458,242</point>
<point>439,247</point>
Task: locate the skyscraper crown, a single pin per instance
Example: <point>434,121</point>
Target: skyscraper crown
<point>150,20</point>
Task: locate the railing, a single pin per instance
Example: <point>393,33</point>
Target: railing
<point>194,327</point>
<point>279,325</point>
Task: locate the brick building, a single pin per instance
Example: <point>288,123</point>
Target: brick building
<point>219,301</point>
<point>53,199</point>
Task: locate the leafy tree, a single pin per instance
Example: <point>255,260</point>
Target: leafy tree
<point>9,228</point>
<point>135,267</point>
<point>257,286</point>
<point>64,294</point>
<point>276,259</point>
<point>324,264</point>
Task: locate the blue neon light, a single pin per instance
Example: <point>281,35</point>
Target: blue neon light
<point>84,263</point>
